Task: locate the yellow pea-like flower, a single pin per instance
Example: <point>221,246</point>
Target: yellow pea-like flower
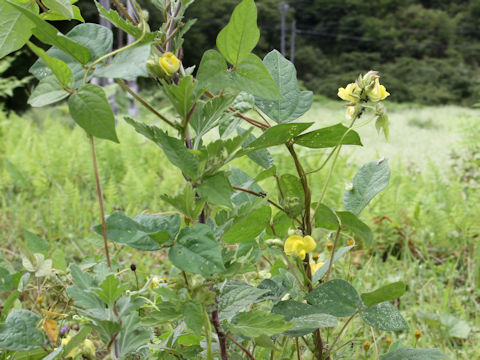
<point>299,246</point>
<point>349,93</point>
<point>169,63</point>
<point>314,267</point>
<point>377,92</point>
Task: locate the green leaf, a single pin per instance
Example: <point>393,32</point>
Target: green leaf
<point>185,202</point>
<point>63,7</point>
<point>166,312</point>
<point>56,16</point>
<point>122,66</point>
<point>295,102</point>
<point>212,72</point>
<point>320,273</point>
<point>181,95</point>
<point>305,317</point>
<point>326,218</point>
<point>193,315</point>
<point>235,296</point>
<point>96,38</point>
<point>382,124</point>
<point>35,243</point>
<point>329,137</point>
<point>291,195</point>
<point>414,354</point>
<point>143,232</point>
<point>385,293</point>
<point>372,178</point>
<point>113,16</point>
<point>58,259</point>
<point>80,278</point>
<point>197,251</point>
<point>90,109</point>
<point>47,92</point>
<point>336,297</point>
<point>206,116</point>
<point>216,189</point>
<point>8,304</point>
<point>384,316</point>
<point>177,153</point>
<point>54,354</point>
<point>253,77</point>
<point>256,323</point>
<point>19,332</point>
<point>247,228</point>
<point>6,280</point>
<point>15,28</point>
<point>110,290</point>
<point>262,157</point>
<point>77,339</point>
<point>354,224</point>
<point>48,34</point>
<point>277,135</point>
<point>236,40</point>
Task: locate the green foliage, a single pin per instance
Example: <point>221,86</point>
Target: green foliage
<point>239,37</point>
<point>19,331</point>
<point>231,228</point>
<point>372,178</point>
<point>90,109</point>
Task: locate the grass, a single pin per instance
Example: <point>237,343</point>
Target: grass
<point>425,222</point>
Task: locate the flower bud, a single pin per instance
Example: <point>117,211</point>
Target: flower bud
<point>39,300</point>
<point>133,267</point>
<point>350,242</point>
<point>418,333</point>
<point>366,345</point>
<point>329,246</point>
<point>315,256</point>
<point>388,341</point>
<point>274,243</point>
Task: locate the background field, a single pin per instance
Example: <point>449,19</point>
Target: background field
<point>425,223</point>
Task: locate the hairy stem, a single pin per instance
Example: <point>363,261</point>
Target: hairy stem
<point>124,11</point>
<point>244,349</point>
<point>221,335</point>
<point>137,97</point>
<point>262,196</point>
<point>306,189</point>
<point>100,201</point>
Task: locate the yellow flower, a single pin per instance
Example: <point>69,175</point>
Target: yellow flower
<point>88,348</point>
<point>314,267</point>
<point>377,92</point>
<point>169,63</point>
<point>156,280</point>
<point>349,93</point>
<point>299,246</point>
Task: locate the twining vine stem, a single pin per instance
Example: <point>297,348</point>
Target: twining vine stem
<point>100,201</point>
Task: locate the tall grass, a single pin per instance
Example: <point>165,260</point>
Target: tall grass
<point>425,223</point>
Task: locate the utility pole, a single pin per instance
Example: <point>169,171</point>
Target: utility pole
<point>283,11</point>
<point>292,41</point>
